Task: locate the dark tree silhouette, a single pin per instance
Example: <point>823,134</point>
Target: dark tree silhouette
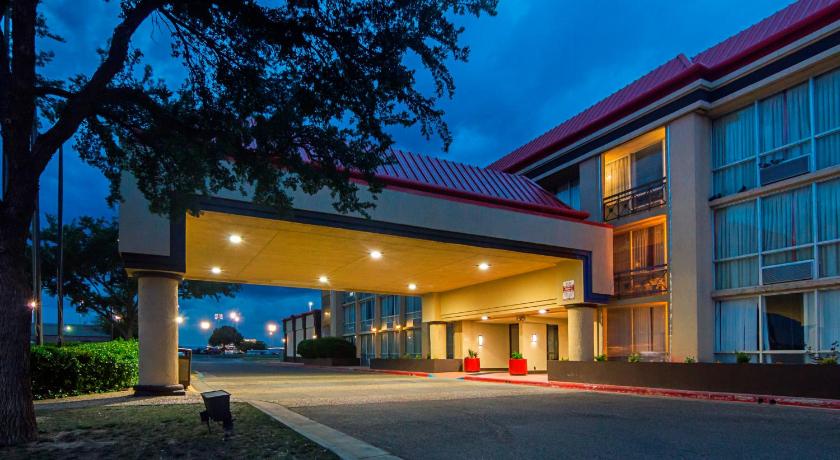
<point>225,335</point>
<point>95,279</point>
<point>296,95</point>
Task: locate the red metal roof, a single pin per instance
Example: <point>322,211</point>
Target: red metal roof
<point>463,182</point>
<point>772,33</point>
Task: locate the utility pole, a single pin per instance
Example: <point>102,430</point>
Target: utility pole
<point>60,258</point>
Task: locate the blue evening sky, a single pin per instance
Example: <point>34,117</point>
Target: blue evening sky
<point>532,66</point>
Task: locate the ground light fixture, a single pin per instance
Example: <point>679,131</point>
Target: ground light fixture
<point>216,270</point>
<point>412,286</point>
<point>323,279</point>
<point>235,239</point>
<point>375,255</point>
<point>484,266</point>
<point>204,325</point>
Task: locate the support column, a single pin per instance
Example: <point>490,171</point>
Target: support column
<point>437,340</point>
<point>581,336</point>
<point>157,296</point>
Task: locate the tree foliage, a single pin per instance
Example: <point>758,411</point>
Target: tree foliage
<point>225,335</point>
<point>95,280</point>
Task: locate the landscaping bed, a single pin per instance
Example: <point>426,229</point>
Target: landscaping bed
<point>163,431</point>
<point>417,365</point>
<point>796,380</point>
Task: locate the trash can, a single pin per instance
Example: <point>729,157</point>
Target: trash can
<point>184,366</point>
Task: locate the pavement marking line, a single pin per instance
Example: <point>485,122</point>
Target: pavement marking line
<point>343,445</point>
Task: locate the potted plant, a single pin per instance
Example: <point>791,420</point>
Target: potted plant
<point>472,363</point>
<point>517,365</point>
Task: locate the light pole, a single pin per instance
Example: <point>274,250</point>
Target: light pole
<point>311,303</point>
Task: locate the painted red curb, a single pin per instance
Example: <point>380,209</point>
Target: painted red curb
<point>671,393</point>
<point>364,369</point>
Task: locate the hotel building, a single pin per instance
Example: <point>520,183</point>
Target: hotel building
<point>694,213</point>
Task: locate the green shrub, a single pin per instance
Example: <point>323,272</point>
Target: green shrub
<point>741,357</point>
<point>634,358</point>
<point>516,355</point>
<point>326,347</point>
<point>83,368</point>
<point>258,345</point>
<point>472,353</point>
<point>690,360</point>
<point>600,358</point>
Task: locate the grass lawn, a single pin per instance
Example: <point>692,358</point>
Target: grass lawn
<point>167,431</point>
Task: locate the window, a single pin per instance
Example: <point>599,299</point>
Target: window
<point>828,227</point>
<point>366,346</point>
<point>413,311</point>
<point>827,118</point>
<point>787,233</point>
<point>413,346</point>
<point>388,345</point>
<point>349,318</point>
<point>366,307</point>
<point>778,328</point>
<point>784,126</point>
<point>634,182</point>
<point>636,330</point>
<point>733,152</point>
<point>639,262</point>
<point>389,311</point>
<point>736,246</point>
<point>568,191</point>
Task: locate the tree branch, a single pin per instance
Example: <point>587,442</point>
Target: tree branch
<point>82,104</point>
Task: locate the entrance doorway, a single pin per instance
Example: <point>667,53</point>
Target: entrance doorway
<point>514,338</point>
<point>552,343</point>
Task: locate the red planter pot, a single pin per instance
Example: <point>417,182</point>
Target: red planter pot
<point>518,366</point>
<point>472,364</point>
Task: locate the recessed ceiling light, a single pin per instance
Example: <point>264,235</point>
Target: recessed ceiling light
<point>542,311</point>
<point>216,270</point>
<point>235,239</point>
<point>485,318</point>
<point>375,255</point>
<point>412,286</point>
<point>483,266</point>
<point>323,279</point>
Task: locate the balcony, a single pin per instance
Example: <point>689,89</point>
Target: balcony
<point>648,196</point>
<point>642,282</point>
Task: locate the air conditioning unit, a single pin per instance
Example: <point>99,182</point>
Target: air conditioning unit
<point>796,271</point>
<point>784,170</point>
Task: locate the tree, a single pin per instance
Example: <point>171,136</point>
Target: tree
<point>95,279</point>
<point>255,345</point>
<point>298,95</point>
<point>225,335</point>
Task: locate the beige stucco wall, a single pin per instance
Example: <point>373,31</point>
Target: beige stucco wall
<point>495,352</point>
<point>690,239</point>
<point>535,353</point>
<point>158,330</point>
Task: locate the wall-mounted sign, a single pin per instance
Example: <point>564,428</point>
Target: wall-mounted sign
<point>568,289</point>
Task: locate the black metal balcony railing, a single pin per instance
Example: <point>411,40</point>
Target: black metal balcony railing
<point>637,199</point>
<point>642,281</point>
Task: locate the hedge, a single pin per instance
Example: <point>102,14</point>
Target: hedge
<point>326,347</point>
<point>78,369</point>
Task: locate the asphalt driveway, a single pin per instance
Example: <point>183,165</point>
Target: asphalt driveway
<point>416,417</point>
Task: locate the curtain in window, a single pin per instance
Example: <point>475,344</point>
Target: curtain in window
<point>736,325</point>
<point>621,252</point>
<point>617,176</point>
<point>619,332</point>
<point>786,321</point>
<point>828,218</point>
<point>827,115</point>
<point>829,329</point>
<point>786,219</point>
<point>733,140</point>
<point>784,119</point>
<point>736,235</point>
<point>649,246</point>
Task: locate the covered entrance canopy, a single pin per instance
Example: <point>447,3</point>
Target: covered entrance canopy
<point>473,242</point>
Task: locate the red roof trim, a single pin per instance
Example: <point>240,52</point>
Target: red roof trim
<point>817,14</point>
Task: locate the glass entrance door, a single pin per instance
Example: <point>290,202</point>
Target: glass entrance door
<point>551,342</point>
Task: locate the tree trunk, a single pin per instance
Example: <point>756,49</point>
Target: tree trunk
<point>17,413</point>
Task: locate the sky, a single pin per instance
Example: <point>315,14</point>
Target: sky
<point>534,65</point>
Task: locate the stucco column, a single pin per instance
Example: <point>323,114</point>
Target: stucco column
<point>437,340</point>
<point>581,336</point>
<point>157,296</point>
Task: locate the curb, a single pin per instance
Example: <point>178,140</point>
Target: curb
<point>343,445</point>
<point>670,393</point>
